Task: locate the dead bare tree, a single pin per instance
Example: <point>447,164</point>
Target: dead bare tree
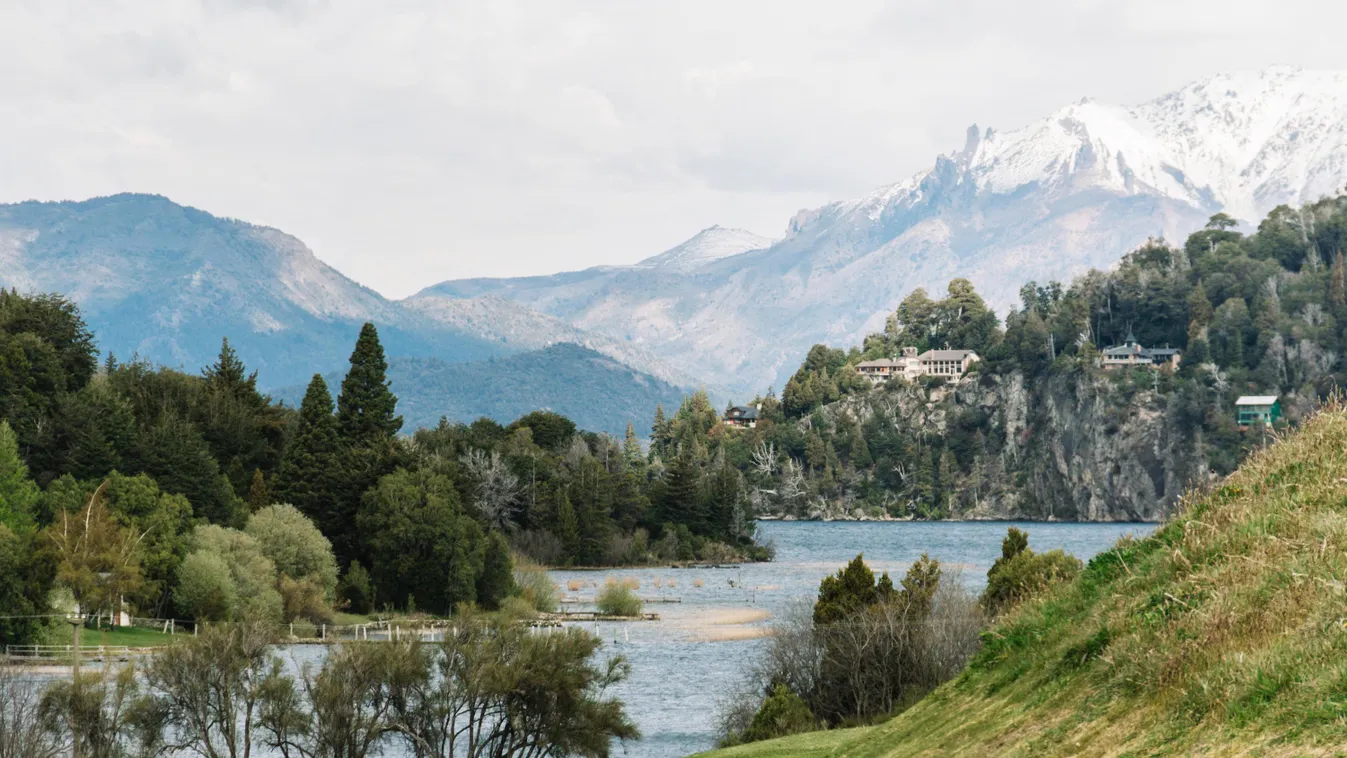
<point>495,487</point>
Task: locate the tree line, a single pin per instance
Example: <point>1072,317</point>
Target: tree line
<point>127,486</point>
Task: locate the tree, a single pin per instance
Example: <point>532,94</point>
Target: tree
<point>228,374</point>
<point>632,453</point>
<point>421,544</point>
<point>295,546</point>
<point>25,580</point>
<point>356,589</point>
<point>259,496</point>
<point>554,693</point>
<point>851,589</point>
<point>366,408</point>
<point>307,474</point>
<point>97,559</point>
<point>251,583</point>
<point>18,493</point>
<point>495,488</point>
<point>568,528</point>
<point>497,578</point>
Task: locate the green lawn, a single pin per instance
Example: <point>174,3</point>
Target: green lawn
<point>116,637</point>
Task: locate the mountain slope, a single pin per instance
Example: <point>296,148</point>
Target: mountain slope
<point>1070,192</point>
<point>593,390</point>
<point>1220,634</point>
<point>710,244</point>
<point>166,282</point>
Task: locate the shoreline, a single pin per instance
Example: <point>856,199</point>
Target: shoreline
<point>913,520</point>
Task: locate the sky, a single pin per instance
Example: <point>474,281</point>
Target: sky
<point>412,141</point>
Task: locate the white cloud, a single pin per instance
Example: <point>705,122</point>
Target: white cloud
<point>409,141</point>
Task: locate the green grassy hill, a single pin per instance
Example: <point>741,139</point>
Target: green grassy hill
<point>1224,633</point>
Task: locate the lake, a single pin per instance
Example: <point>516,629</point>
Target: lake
<point>684,662</point>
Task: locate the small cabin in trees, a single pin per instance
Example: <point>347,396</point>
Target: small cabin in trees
<point>1258,409</point>
<point>1132,354</point>
<point>741,416</point>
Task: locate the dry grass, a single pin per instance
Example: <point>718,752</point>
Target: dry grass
<point>575,585</point>
<point>671,582</point>
<point>1224,633</point>
<point>698,582</point>
<point>631,583</point>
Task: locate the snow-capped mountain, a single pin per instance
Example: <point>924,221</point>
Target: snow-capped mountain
<point>1050,200</point>
<point>708,245</point>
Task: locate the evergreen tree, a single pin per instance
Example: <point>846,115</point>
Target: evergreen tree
<point>568,529</point>
<point>631,450</point>
<point>259,496</point>
<point>306,478</point>
<point>228,373</point>
<point>366,408</point>
<point>18,493</point>
<point>497,579</point>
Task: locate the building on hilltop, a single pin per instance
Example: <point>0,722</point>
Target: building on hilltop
<point>1132,354</point>
<point>741,416</point>
<point>907,366</point>
<point>1258,409</point>
<point>950,364</point>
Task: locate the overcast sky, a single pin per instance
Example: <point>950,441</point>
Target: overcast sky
<point>411,141</point>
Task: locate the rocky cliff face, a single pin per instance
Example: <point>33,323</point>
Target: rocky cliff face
<point>1068,448</point>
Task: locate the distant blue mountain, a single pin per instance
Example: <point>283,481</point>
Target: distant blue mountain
<point>593,390</point>
<point>165,282</point>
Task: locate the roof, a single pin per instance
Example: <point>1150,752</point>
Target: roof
<point>1256,400</point>
<point>946,355</point>
<point>881,363</point>
<point>744,411</point>
<point>1162,351</point>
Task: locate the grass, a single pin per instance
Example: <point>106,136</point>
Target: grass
<point>132,636</point>
<point>1223,633</point>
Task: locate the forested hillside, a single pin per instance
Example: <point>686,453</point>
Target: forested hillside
<point>135,488</point>
<point>1038,429</point>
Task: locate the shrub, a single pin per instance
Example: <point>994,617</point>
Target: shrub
<point>304,599</point>
<point>496,581</point>
<point>534,585</point>
<point>616,599</point>
<point>1025,574</point>
<point>355,589</point>
<point>782,713</point>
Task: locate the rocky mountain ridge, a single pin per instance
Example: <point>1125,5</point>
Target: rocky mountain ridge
<point>1048,201</point>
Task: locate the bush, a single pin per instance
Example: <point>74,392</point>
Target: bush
<point>1025,574</point>
<point>534,585</point>
<point>355,589</point>
<point>782,713</point>
<point>617,599</point>
<point>304,599</point>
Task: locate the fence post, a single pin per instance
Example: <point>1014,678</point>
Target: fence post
<point>324,632</point>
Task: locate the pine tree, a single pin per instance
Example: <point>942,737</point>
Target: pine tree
<point>1337,288</point>
<point>660,432</point>
<point>366,408</point>
<point>306,477</point>
<point>18,493</point>
<point>568,529</point>
<point>259,496</point>
<point>228,373</point>
<point>631,450</point>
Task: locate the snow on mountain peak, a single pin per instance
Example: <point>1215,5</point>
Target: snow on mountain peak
<point>710,244</point>
<point>1243,142</point>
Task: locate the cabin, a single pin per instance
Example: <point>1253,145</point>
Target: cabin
<point>741,417</point>
<point>1131,354</point>
<point>951,364</point>
<point>1258,409</point>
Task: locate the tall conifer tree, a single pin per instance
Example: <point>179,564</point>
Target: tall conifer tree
<point>306,478</point>
<point>366,408</point>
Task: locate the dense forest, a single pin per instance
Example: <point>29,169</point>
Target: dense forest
<point>1257,314</point>
<point>126,487</point>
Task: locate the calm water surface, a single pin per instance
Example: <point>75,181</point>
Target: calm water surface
<point>679,671</point>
